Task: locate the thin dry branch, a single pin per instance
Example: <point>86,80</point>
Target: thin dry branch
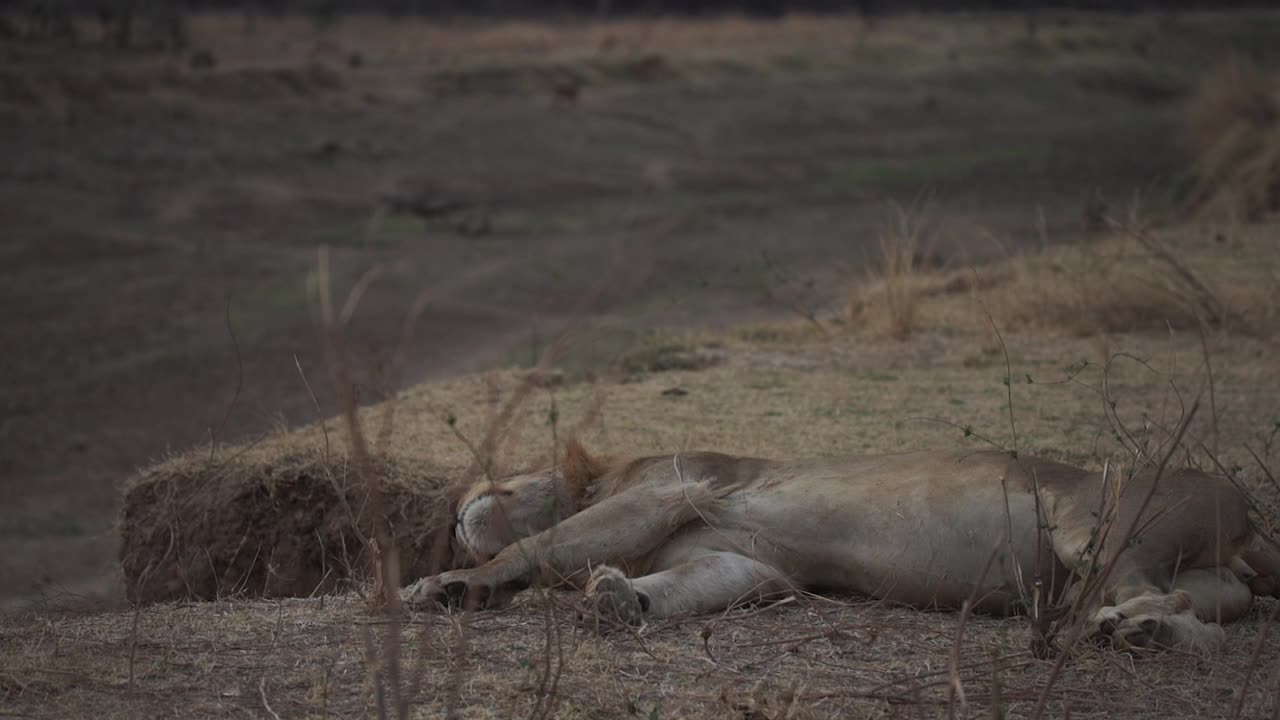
<point>1091,589</point>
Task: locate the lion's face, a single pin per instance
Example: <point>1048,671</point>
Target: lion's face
<point>493,515</point>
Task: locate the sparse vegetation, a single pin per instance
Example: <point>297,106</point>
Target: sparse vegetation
<point>1132,280</point>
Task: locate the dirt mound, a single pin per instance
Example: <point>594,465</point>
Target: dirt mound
<point>247,525</point>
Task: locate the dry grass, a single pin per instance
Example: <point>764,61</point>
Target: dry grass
<point>1235,138</point>
<point>836,659</point>
<point>1133,280</point>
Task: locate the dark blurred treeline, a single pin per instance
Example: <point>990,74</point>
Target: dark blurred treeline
<point>163,21</point>
<point>604,7</point>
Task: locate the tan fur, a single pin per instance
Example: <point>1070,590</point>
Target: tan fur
<point>700,532</point>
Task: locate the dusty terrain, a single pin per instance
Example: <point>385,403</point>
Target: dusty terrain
<point>715,191</point>
<point>160,217</point>
<point>774,389</point>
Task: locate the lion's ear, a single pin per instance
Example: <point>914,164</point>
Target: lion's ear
<point>579,467</point>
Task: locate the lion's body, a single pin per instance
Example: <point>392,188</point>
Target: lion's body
<point>697,532</point>
<point>898,527</point>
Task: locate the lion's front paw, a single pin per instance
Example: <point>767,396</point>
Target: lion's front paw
<point>610,596</point>
<point>456,590</point>
<point>1102,626</point>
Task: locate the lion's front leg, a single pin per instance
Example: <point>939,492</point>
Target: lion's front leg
<point>711,582</point>
<point>459,589</point>
<point>623,527</point>
<point>611,596</point>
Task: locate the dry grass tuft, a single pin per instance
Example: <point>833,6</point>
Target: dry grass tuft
<point>902,245</point>
<point>1235,137</point>
<point>1131,281</point>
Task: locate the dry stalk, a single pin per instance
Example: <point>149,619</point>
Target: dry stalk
<point>133,644</point>
<point>1206,302</point>
<point>1213,398</point>
<point>216,433</point>
<point>482,464</point>
<point>1008,384</point>
<point>1237,706</point>
<point>386,566</point>
<point>1091,589</point>
<point>954,688</point>
<point>262,692</point>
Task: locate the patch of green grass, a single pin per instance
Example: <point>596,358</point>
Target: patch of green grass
<point>761,334</point>
<point>282,295</point>
<point>939,167</point>
<point>397,227</point>
<point>773,383</point>
<point>842,411</point>
<point>1134,80</point>
<point>151,356</point>
<point>879,58</point>
<point>662,358</point>
<point>722,68</point>
<point>792,62</point>
<point>882,377</point>
<point>631,350</point>
<point>63,525</point>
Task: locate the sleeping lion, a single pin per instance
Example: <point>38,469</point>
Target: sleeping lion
<point>700,532</point>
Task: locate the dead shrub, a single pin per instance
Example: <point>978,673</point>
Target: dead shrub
<point>1235,139</point>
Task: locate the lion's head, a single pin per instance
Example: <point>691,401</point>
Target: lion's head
<point>490,515</point>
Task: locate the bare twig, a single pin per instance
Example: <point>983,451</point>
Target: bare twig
<point>1263,466</point>
<point>954,688</point>
<point>235,396</point>
<point>1008,384</point>
<point>324,426</point>
<point>262,691</point>
<point>1237,705</point>
<point>1206,301</point>
<point>133,643</point>
<point>1213,399</point>
<point>386,565</point>
<point>1099,584</point>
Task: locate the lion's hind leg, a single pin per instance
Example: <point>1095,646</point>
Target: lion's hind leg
<point>1154,620</point>
<point>710,582</point>
<point>1262,571</point>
